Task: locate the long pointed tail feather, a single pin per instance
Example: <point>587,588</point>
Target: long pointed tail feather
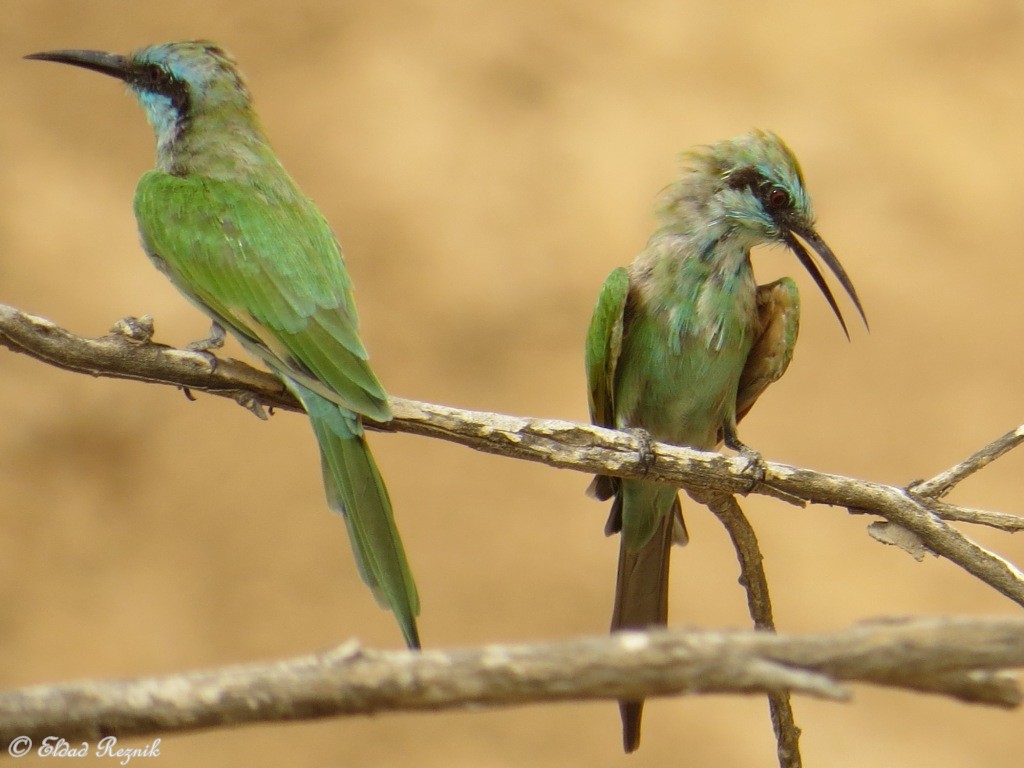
<point>641,597</point>
<point>356,490</point>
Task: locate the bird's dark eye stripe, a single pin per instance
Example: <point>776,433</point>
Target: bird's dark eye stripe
<point>770,195</point>
<point>156,79</point>
<point>153,77</point>
<point>746,178</point>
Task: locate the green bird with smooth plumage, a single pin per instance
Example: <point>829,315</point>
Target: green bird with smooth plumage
<point>683,342</point>
<point>224,221</point>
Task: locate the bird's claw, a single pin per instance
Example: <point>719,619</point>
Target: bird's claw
<point>755,467</point>
<point>645,448</point>
<point>214,341</point>
<point>252,404</point>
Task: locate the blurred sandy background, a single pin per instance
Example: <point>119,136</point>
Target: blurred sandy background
<point>485,165</point>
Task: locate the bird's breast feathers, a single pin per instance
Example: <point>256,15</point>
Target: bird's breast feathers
<point>715,314</point>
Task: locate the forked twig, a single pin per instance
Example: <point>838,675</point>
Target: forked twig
<point>755,582</point>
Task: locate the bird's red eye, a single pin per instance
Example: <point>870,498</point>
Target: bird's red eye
<point>778,198</point>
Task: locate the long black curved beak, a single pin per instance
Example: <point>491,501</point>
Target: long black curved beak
<point>105,63</point>
<point>814,240</point>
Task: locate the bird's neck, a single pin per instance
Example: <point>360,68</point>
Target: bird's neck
<point>228,147</point>
<point>701,283</point>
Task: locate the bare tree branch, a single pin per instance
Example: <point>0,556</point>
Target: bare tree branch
<point>755,582</point>
<point>954,513</point>
<point>954,657</point>
<point>129,353</point>
<point>944,482</point>
<point>959,658</point>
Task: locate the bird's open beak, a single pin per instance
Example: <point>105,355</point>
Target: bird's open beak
<point>814,240</point>
<point>98,61</point>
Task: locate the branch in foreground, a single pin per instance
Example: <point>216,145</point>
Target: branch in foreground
<point>954,657</point>
<point>130,354</point>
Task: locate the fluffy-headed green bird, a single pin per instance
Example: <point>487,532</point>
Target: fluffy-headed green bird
<point>224,221</point>
<point>683,341</point>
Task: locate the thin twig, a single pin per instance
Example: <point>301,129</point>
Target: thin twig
<point>755,582</point>
<point>999,520</point>
<point>944,482</point>
<point>962,658</point>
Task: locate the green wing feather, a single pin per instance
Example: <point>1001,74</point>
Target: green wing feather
<point>603,348</point>
<point>604,345</point>
<point>264,264</point>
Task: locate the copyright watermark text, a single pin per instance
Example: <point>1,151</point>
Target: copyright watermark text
<point>54,746</point>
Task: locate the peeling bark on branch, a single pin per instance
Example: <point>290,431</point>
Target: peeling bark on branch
<point>953,657</point>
